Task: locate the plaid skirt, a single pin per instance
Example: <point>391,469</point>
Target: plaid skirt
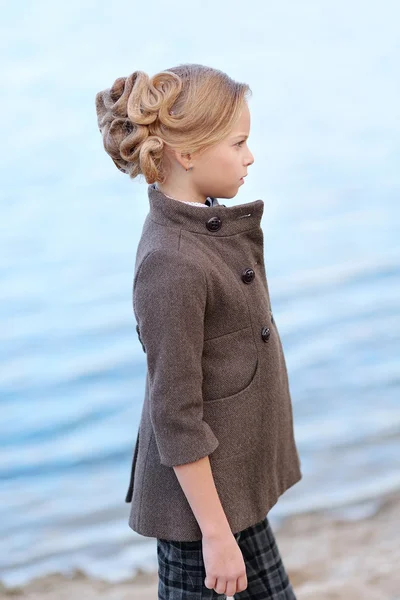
<point>182,573</point>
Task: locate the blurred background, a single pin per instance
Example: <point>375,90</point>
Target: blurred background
<point>325,127</point>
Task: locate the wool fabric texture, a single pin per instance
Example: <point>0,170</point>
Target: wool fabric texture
<point>216,381</point>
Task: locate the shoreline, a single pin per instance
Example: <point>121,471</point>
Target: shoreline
<point>326,557</point>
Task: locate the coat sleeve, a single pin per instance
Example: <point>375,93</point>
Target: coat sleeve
<point>170,295</point>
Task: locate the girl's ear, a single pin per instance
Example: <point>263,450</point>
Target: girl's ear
<point>183,159</point>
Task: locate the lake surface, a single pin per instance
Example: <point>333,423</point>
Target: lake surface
<point>325,137</point>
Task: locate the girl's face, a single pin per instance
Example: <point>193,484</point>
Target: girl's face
<point>218,171</point>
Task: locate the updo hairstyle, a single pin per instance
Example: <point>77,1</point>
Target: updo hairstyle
<point>188,107</point>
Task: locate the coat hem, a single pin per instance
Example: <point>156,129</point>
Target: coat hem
<point>192,537</point>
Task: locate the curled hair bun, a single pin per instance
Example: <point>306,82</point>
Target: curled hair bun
<point>129,115</point>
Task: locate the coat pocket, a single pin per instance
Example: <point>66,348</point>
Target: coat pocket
<point>237,420</point>
<point>229,363</point>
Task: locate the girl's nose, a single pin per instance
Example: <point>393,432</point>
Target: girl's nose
<point>251,159</point>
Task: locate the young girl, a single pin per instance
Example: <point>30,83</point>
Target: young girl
<point>215,447</point>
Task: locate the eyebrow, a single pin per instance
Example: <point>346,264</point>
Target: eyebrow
<point>240,135</point>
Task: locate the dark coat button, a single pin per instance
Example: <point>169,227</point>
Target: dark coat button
<point>140,339</point>
<point>214,224</point>
<point>265,333</point>
<point>248,275</point>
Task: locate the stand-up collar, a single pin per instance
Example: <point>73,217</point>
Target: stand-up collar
<point>217,220</point>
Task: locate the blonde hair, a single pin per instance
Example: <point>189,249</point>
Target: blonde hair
<point>188,107</point>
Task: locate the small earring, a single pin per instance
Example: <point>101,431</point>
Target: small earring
<point>189,169</point>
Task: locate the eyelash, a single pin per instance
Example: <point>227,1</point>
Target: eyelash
<point>242,142</point>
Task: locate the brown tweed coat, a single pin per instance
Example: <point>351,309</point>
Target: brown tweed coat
<point>216,381</point>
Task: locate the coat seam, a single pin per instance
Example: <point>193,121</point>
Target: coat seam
<point>144,470</point>
<point>138,272</point>
<point>195,262</point>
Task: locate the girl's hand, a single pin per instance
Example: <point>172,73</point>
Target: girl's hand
<point>224,564</point>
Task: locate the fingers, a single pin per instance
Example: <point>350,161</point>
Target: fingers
<point>220,587</point>
<point>241,584</point>
<point>210,582</point>
<point>227,587</point>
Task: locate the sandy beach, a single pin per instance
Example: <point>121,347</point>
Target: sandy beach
<point>327,558</point>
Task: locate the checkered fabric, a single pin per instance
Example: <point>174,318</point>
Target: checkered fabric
<point>182,573</point>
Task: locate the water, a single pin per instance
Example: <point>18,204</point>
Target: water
<point>325,131</point>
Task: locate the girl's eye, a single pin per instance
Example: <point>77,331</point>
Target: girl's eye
<point>242,142</point>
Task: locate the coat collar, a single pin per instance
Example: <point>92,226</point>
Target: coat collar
<point>218,220</point>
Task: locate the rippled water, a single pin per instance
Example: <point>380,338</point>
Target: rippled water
<point>325,133</point>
